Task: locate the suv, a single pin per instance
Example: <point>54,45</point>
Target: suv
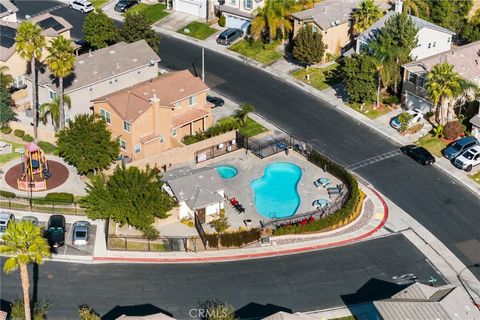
<point>469,159</point>
<point>81,233</point>
<point>5,218</point>
<point>56,228</point>
<point>83,6</point>
<point>459,146</point>
<point>229,35</point>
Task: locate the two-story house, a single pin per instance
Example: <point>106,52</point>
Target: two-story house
<point>465,61</point>
<point>333,19</point>
<point>238,13</point>
<point>96,74</point>
<point>154,116</point>
<point>432,39</point>
<point>202,9</point>
<point>8,11</point>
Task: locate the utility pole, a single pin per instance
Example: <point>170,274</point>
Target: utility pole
<point>203,64</point>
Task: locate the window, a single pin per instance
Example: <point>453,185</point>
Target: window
<point>106,116</point>
<point>18,82</point>
<point>162,139</point>
<point>52,95</point>
<point>178,104</point>
<point>421,81</point>
<point>137,148</point>
<point>174,132</point>
<point>248,4</point>
<point>123,145</point>
<point>232,2</point>
<point>411,77</point>
<point>127,126</point>
<point>429,45</point>
<point>314,29</point>
<point>192,100</point>
<point>448,40</point>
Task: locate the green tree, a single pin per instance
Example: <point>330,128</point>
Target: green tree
<point>136,27</point>
<point>242,113</point>
<point>471,32</point>
<point>100,31</point>
<point>6,108</point>
<point>39,310</point>
<point>365,15</point>
<point>129,196</point>
<point>443,85</point>
<point>24,243</point>
<point>87,144</point>
<point>60,61</point>
<point>6,79</point>
<point>29,45</point>
<point>52,108</point>
<point>217,310</point>
<point>87,313</point>
<point>220,223</point>
<point>359,73</point>
<point>416,7</point>
<point>449,14</point>
<point>272,18</point>
<point>308,47</point>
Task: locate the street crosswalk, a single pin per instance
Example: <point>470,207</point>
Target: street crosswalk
<point>369,161</point>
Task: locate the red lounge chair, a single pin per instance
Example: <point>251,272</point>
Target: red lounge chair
<point>234,202</point>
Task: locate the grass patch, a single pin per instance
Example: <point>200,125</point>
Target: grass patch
<point>98,3</point>
<point>265,53</point>
<point>368,110</point>
<point>320,78</point>
<point>250,129</point>
<point>433,144</point>
<point>414,129</point>
<point>4,158</point>
<point>116,243</point>
<point>198,30</point>
<point>475,177</point>
<point>153,12</point>
<point>137,246</point>
<point>158,247</point>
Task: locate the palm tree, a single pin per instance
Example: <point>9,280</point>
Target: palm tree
<point>468,92</point>
<point>30,42</point>
<point>61,61</point>
<point>366,14</point>
<point>25,244</point>
<point>443,85</point>
<point>242,113</point>
<point>6,79</point>
<point>414,7</point>
<point>273,16</point>
<point>53,109</point>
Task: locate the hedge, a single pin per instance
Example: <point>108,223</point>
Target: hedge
<point>60,197</point>
<point>233,239</point>
<point>6,130</point>
<point>19,133</point>
<point>7,194</point>
<point>213,131</point>
<point>46,146</point>
<point>27,138</point>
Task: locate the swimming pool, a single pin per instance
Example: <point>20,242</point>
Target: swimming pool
<point>226,172</point>
<point>276,194</point>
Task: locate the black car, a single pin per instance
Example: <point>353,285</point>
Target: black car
<point>216,101</point>
<point>229,35</point>
<point>419,154</point>
<point>56,228</point>
<point>124,5</point>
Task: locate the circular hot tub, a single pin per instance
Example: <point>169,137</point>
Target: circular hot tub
<point>226,172</point>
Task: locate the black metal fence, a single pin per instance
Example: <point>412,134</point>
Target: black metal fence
<point>266,146</point>
<point>216,150</point>
<point>199,227</point>
<point>41,205</point>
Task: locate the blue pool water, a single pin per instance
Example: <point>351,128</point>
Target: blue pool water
<point>276,194</point>
<point>227,172</point>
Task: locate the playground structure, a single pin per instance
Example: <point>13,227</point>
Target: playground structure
<point>35,169</point>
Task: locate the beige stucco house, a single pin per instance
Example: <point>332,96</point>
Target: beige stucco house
<point>333,19</point>
<point>154,116</point>
<point>238,13</point>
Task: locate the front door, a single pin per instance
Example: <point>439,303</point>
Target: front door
<point>201,215</point>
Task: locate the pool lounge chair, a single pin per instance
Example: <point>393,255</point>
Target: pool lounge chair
<point>322,182</point>
<point>321,203</point>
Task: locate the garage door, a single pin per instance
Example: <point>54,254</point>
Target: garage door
<point>194,7</point>
<point>414,101</point>
<point>236,22</point>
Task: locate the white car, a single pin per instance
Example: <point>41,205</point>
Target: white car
<point>83,6</point>
<point>469,159</point>
<point>417,116</point>
<point>5,218</point>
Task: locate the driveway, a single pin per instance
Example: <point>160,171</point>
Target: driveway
<point>175,20</point>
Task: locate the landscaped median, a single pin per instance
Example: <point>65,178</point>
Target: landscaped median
<point>53,202</point>
<point>198,30</point>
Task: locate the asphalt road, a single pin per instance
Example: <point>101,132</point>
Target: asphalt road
<point>316,280</point>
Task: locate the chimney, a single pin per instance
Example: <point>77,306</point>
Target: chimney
<point>154,99</point>
<point>399,6</point>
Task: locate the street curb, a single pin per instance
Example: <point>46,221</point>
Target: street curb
<point>255,255</point>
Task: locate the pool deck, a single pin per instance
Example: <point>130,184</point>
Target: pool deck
<point>250,167</point>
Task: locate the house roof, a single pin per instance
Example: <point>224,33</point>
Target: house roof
<point>7,8</point>
<point>327,13</point>
<point>52,25</point>
<point>196,187</point>
<point>102,64</point>
<point>465,61</point>
<point>188,117</point>
<point>235,11</point>
<point>475,121</point>
<point>132,102</point>
<point>370,34</point>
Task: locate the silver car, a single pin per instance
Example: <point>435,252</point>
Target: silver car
<point>32,219</point>
<point>80,233</point>
<point>5,218</point>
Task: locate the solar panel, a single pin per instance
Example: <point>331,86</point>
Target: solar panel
<point>7,36</point>
<point>50,23</point>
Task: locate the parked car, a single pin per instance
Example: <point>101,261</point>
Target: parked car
<point>80,233</point>
<point>459,146</point>
<point>469,159</point>
<point>32,219</point>
<point>5,218</point>
<point>216,101</point>
<point>230,35</point>
<point>417,116</point>
<point>124,5</point>
<point>83,6</point>
<point>419,154</point>
<point>56,228</point>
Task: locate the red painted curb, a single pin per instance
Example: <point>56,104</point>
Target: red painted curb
<point>260,254</point>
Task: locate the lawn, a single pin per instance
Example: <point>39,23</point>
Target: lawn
<point>98,3</point>
<point>475,177</point>
<point>368,110</point>
<point>198,30</point>
<point>4,158</point>
<point>433,144</point>
<point>319,78</point>
<point>250,129</point>
<point>257,50</point>
<point>154,12</point>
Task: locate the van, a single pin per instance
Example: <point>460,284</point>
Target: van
<point>228,36</point>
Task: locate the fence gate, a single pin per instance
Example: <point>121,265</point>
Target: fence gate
<point>199,227</point>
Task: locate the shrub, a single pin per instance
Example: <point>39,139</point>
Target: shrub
<point>220,224</point>
<point>404,118</point>
<point>222,21</point>
<point>391,100</point>
<point>56,151</point>
<point>27,138</point>
<point>19,133</point>
<point>217,310</point>
<point>212,240</point>
<point>6,130</point>
<point>213,131</point>
<point>438,131</point>
<point>87,313</point>
<point>151,233</point>
<point>46,146</point>
<point>59,197</point>
<point>7,194</point>
<point>452,130</point>
<point>40,310</point>
<point>233,239</point>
